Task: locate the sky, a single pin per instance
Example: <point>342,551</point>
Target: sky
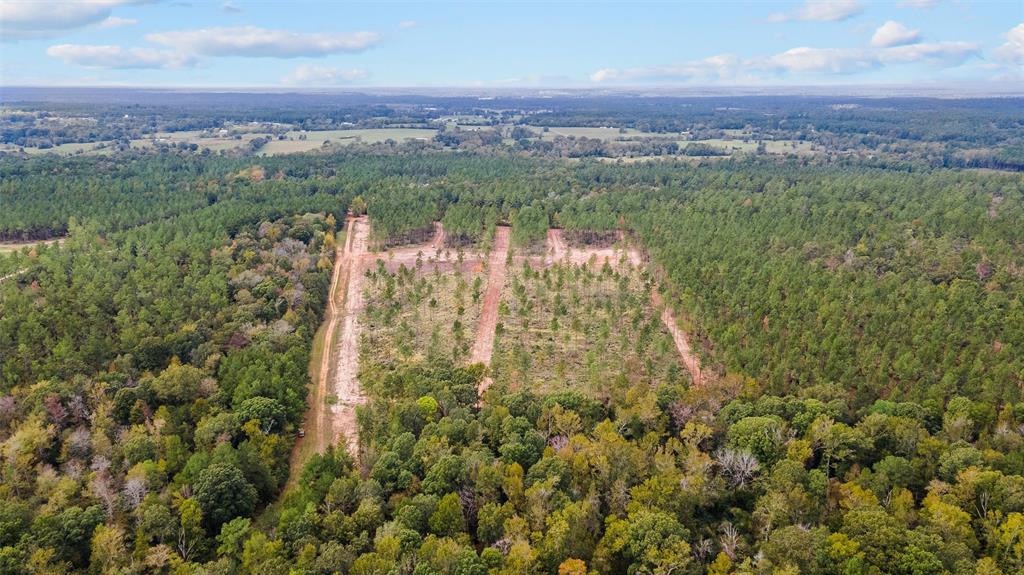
<point>339,44</point>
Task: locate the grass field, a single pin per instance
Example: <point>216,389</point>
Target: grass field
<point>315,140</point>
<point>770,146</point>
<point>606,134</point>
<point>216,143</point>
<point>62,149</point>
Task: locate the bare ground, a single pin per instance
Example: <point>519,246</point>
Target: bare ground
<point>433,255</point>
<point>317,431</point>
<point>483,346</point>
<point>559,252</point>
<point>690,359</point>
<point>346,388</point>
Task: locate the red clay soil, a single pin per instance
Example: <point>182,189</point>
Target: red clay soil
<point>483,346</point>
<point>319,420</point>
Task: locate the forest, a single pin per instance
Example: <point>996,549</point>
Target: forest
<point>860,322</point>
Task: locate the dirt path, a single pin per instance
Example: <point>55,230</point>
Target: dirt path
<point>690,359</point>
<point>557,249</point>
<point>344,355</point>
<point>483,346</point>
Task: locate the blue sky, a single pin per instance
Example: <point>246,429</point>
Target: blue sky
<point>243,43</point>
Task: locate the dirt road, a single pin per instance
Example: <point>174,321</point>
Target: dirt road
<point>345,353</point>
<point>690,360</point>
<point>557,249</point>
<point>483,346</point>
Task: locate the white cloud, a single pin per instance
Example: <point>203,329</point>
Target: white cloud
<point>821,11</point>
<point>797,61</point>
<point>918,3</point>
<point>820,60</point>
<point>717,67</point>
<point>311,75</point>
<point>1013,50</point>
<point>115,22</point>
<point>230,7</point>
<point>27,19</point>
<point>407,24</point>
<point>938,53</point>
<point>893,33</point>
<point>251,41</point>
<point>107,56</point>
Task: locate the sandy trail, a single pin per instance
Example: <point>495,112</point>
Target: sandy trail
<point>690,359</point>
<point>483,346</point>
<point>346,352</point>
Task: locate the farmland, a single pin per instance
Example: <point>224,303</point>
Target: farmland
<point>290,142</point>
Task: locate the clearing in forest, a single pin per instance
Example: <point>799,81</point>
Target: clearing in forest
<point>584,311</point>
<point>583,325</point>
<point>422,302</point>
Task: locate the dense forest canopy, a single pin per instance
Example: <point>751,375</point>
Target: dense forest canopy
<point>861,322</point>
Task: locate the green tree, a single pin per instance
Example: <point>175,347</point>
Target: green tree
<point>223,494</point>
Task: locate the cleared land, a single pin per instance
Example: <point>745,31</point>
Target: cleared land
<point>607,134</point>
<point>588,325</point>
<point>346,390</point>
<point>690,359</point>
<point>421,302</point>
<point>317,437</point>
<point>566,316</point>
<point>294,142</point>
<point>770,146</point>
<point>483,347</point>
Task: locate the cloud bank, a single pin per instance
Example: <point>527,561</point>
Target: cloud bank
<point>255,42</point>
<point>26,19</point>
<point>821,11</point>
<point>185,48</point>
<point>92,56</point>
<point>312,75</point>
<point>1013,50</point>
<point>796,61</point>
